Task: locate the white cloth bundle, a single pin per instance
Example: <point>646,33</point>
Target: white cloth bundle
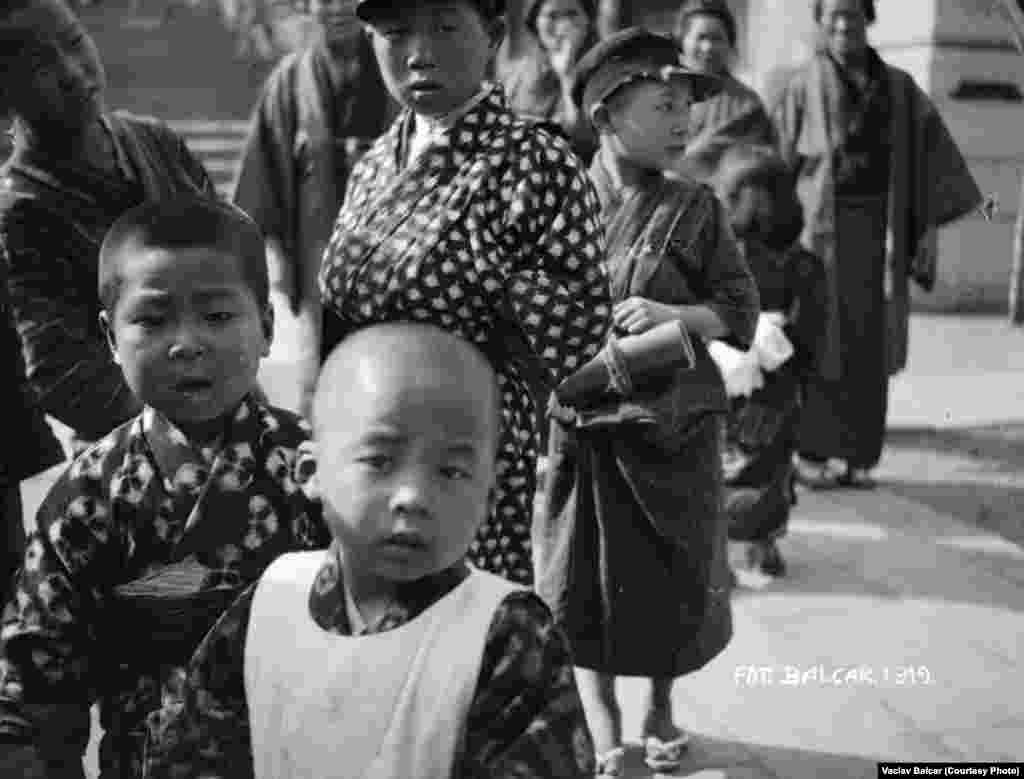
<point>743,371</point>
<point>770,342</point>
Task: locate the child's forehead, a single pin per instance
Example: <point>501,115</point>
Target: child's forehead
<point>426,404</point>
<point>180,269</point>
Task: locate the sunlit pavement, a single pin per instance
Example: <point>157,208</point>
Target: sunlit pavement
<point>896,633</point>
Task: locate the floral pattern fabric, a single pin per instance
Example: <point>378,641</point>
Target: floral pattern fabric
<point>493,233</point>
<point>525,720</point>
<point>141,545</point>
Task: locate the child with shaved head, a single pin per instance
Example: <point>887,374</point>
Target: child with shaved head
<point>388,656</point>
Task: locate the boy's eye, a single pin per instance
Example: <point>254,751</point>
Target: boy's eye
<point>455,472</point>
<point>375,462</point>
<point>147,320</point>
<point>220,317</point>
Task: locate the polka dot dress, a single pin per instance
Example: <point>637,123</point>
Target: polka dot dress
<point>492,232</point>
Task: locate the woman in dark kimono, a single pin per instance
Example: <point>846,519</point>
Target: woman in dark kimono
<point>74,170</point>
<point>877,172</point>
<point>757,191</point>
<point>538,85</point>
<point>320,110</point>
<point>631,549</point>
<point>467,217</point>
<point>706,31</point>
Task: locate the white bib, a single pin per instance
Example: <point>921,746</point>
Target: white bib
<point>389,705</point>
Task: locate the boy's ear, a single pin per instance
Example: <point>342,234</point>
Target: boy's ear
<point>496,32</point>
<point>305,468</point>
<point>267,321</point>
<point>601,118</point>
<point>108,332</point>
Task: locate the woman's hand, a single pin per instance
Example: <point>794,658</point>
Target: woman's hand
<point>637,315</point>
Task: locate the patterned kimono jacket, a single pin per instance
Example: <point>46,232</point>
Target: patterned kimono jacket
<point>631,549</point>
<point>525,719</point>
<point>140,546</point>
<point>312,123</point>
<point>762,429</point>
<point>53,217</point>
<point>735,115</point>
<point>491,233</point>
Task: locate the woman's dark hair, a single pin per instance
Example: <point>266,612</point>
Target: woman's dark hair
<point>867,5</point>
<point>533,9</point>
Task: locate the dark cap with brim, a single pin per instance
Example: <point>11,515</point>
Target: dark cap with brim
<point>368,10</point>
<point>634,54</point>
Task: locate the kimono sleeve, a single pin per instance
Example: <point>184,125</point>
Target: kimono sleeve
<point>526,719</point>
<point>265,185</point>
<point>69,368</point>
<point>207,734</point>
<point>52,645</point>
<point>730,286</point>
<point>558,290</point>
<point>788,115</point>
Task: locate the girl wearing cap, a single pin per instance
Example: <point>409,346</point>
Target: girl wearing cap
<point>877,172</point>
<point>706,31</point>
<point>539,87</point>
<point>631,550</point>
<point>464,216</point>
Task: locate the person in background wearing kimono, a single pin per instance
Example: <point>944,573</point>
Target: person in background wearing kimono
<point>153,531</point>
<point>75,168</point>
<point>754,185</point>
<point>29,446</point>
<point>468,217</point>
<point>388,656</point>
<point>631,549</point>
<point>706,31</point>
<point>320,110</point>
<point>540,84</point>
<point>877,172</point>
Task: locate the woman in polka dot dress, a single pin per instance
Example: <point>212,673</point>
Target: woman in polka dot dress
<point>464,216</point>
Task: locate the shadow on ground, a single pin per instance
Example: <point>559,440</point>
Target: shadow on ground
<point>716,758</point>
<point>991,496</point>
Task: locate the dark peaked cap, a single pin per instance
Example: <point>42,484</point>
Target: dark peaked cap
<point>631,55</point>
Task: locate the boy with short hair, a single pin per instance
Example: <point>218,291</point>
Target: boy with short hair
<point>631,549</point>
<point>152,532</point>
<point>388,656</point>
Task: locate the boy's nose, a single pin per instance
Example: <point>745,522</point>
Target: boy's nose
<point>186,346</point>
<point>421,52</point>
<point>412,496</point>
